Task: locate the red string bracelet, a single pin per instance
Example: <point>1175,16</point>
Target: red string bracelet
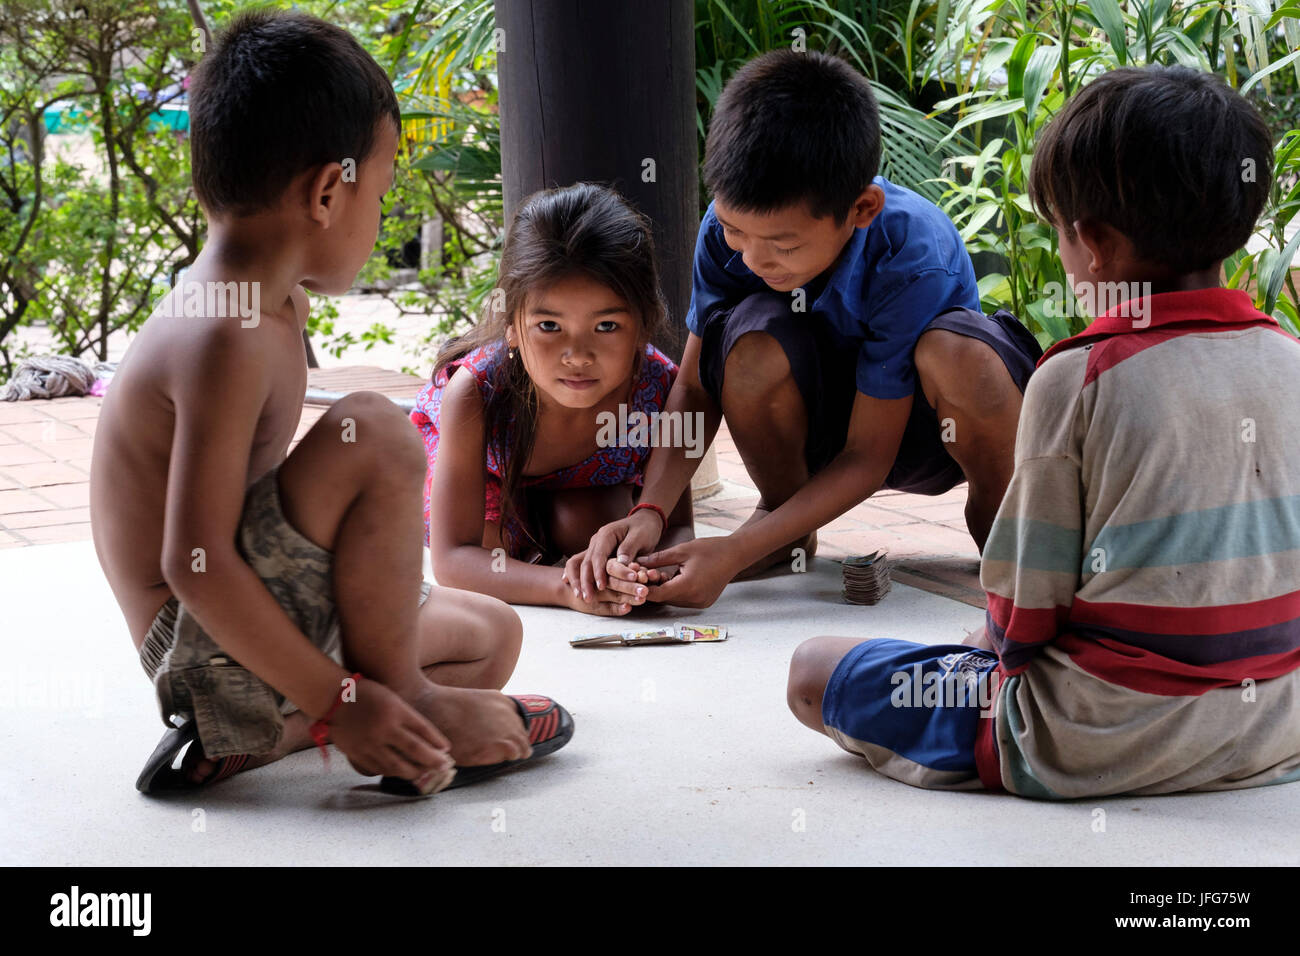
<point>320,730</point>
<point>649,507</point>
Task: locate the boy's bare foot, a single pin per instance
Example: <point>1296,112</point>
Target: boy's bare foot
<point>781,555</point>
<point>200,769</point>
<point>484,726</point>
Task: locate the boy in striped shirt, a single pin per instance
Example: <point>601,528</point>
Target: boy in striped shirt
<point>1143,571</point>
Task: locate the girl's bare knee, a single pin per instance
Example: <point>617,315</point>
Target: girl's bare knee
<point>570,531</point>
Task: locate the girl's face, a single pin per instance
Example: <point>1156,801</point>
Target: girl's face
<point>578,340</point>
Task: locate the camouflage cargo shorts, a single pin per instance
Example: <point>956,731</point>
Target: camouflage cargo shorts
<point>234,710</point>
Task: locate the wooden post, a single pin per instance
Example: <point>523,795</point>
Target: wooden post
<point>604,91</point>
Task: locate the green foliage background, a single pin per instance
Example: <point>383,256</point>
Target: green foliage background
<point>965,88</point>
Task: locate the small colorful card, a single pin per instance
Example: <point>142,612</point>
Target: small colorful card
<point>701,633</point>
<point>678,634</point>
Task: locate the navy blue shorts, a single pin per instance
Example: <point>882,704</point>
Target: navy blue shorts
<point>913,710</point>
<point>826,374</point>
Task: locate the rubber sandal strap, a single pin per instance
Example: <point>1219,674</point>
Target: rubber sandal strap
<point>541,716</point>
<point>226,767</point>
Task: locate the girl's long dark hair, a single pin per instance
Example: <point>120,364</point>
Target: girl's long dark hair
<point>584,229</point>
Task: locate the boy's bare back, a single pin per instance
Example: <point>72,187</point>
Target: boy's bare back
<point>186,382</point>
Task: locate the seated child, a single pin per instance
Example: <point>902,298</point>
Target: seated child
<point>834,323</point>
<point>276,601</point>
<point>531,426</point>
<point>1143,573</point>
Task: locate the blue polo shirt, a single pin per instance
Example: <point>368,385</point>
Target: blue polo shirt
<point>893,277</point>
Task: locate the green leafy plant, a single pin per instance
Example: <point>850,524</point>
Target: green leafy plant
<point>965,88</point>
<point>1268,273</point>
<point>1010,66</point>
<point>96,245</point>
<point>866,34</point>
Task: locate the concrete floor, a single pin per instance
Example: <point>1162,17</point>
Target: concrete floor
<point>682,755</point>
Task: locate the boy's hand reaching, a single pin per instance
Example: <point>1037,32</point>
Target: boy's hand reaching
<point>707,565</point>
<point>381,734</point>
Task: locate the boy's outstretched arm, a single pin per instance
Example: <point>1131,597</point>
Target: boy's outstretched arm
<point>668,476</point>
<point>218,401</point>
<point>876,429</point>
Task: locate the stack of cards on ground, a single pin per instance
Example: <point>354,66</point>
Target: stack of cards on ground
<point>677,634</point>
<point>866,578</point>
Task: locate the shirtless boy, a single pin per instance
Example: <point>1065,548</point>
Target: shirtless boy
<point>305,568</point>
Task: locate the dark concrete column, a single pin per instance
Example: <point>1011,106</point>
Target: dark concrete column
<point>604,91</point>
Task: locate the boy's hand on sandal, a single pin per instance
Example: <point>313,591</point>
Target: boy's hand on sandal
<point>381,734</point>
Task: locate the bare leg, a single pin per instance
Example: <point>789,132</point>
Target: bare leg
<point>969,387</point>
<point>468,639</point>
<point>768,421</point>
<point>353,486</point>
<point>810,670</point>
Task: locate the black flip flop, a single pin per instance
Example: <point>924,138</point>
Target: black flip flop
<point>549,725</point>
<point>159,776</point>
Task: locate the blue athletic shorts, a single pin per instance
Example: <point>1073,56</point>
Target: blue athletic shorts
<point>913,710</point>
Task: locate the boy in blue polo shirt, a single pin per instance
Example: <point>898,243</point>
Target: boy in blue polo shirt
<point>834,322</point>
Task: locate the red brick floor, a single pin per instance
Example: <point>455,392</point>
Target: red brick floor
<point>45,470</point>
